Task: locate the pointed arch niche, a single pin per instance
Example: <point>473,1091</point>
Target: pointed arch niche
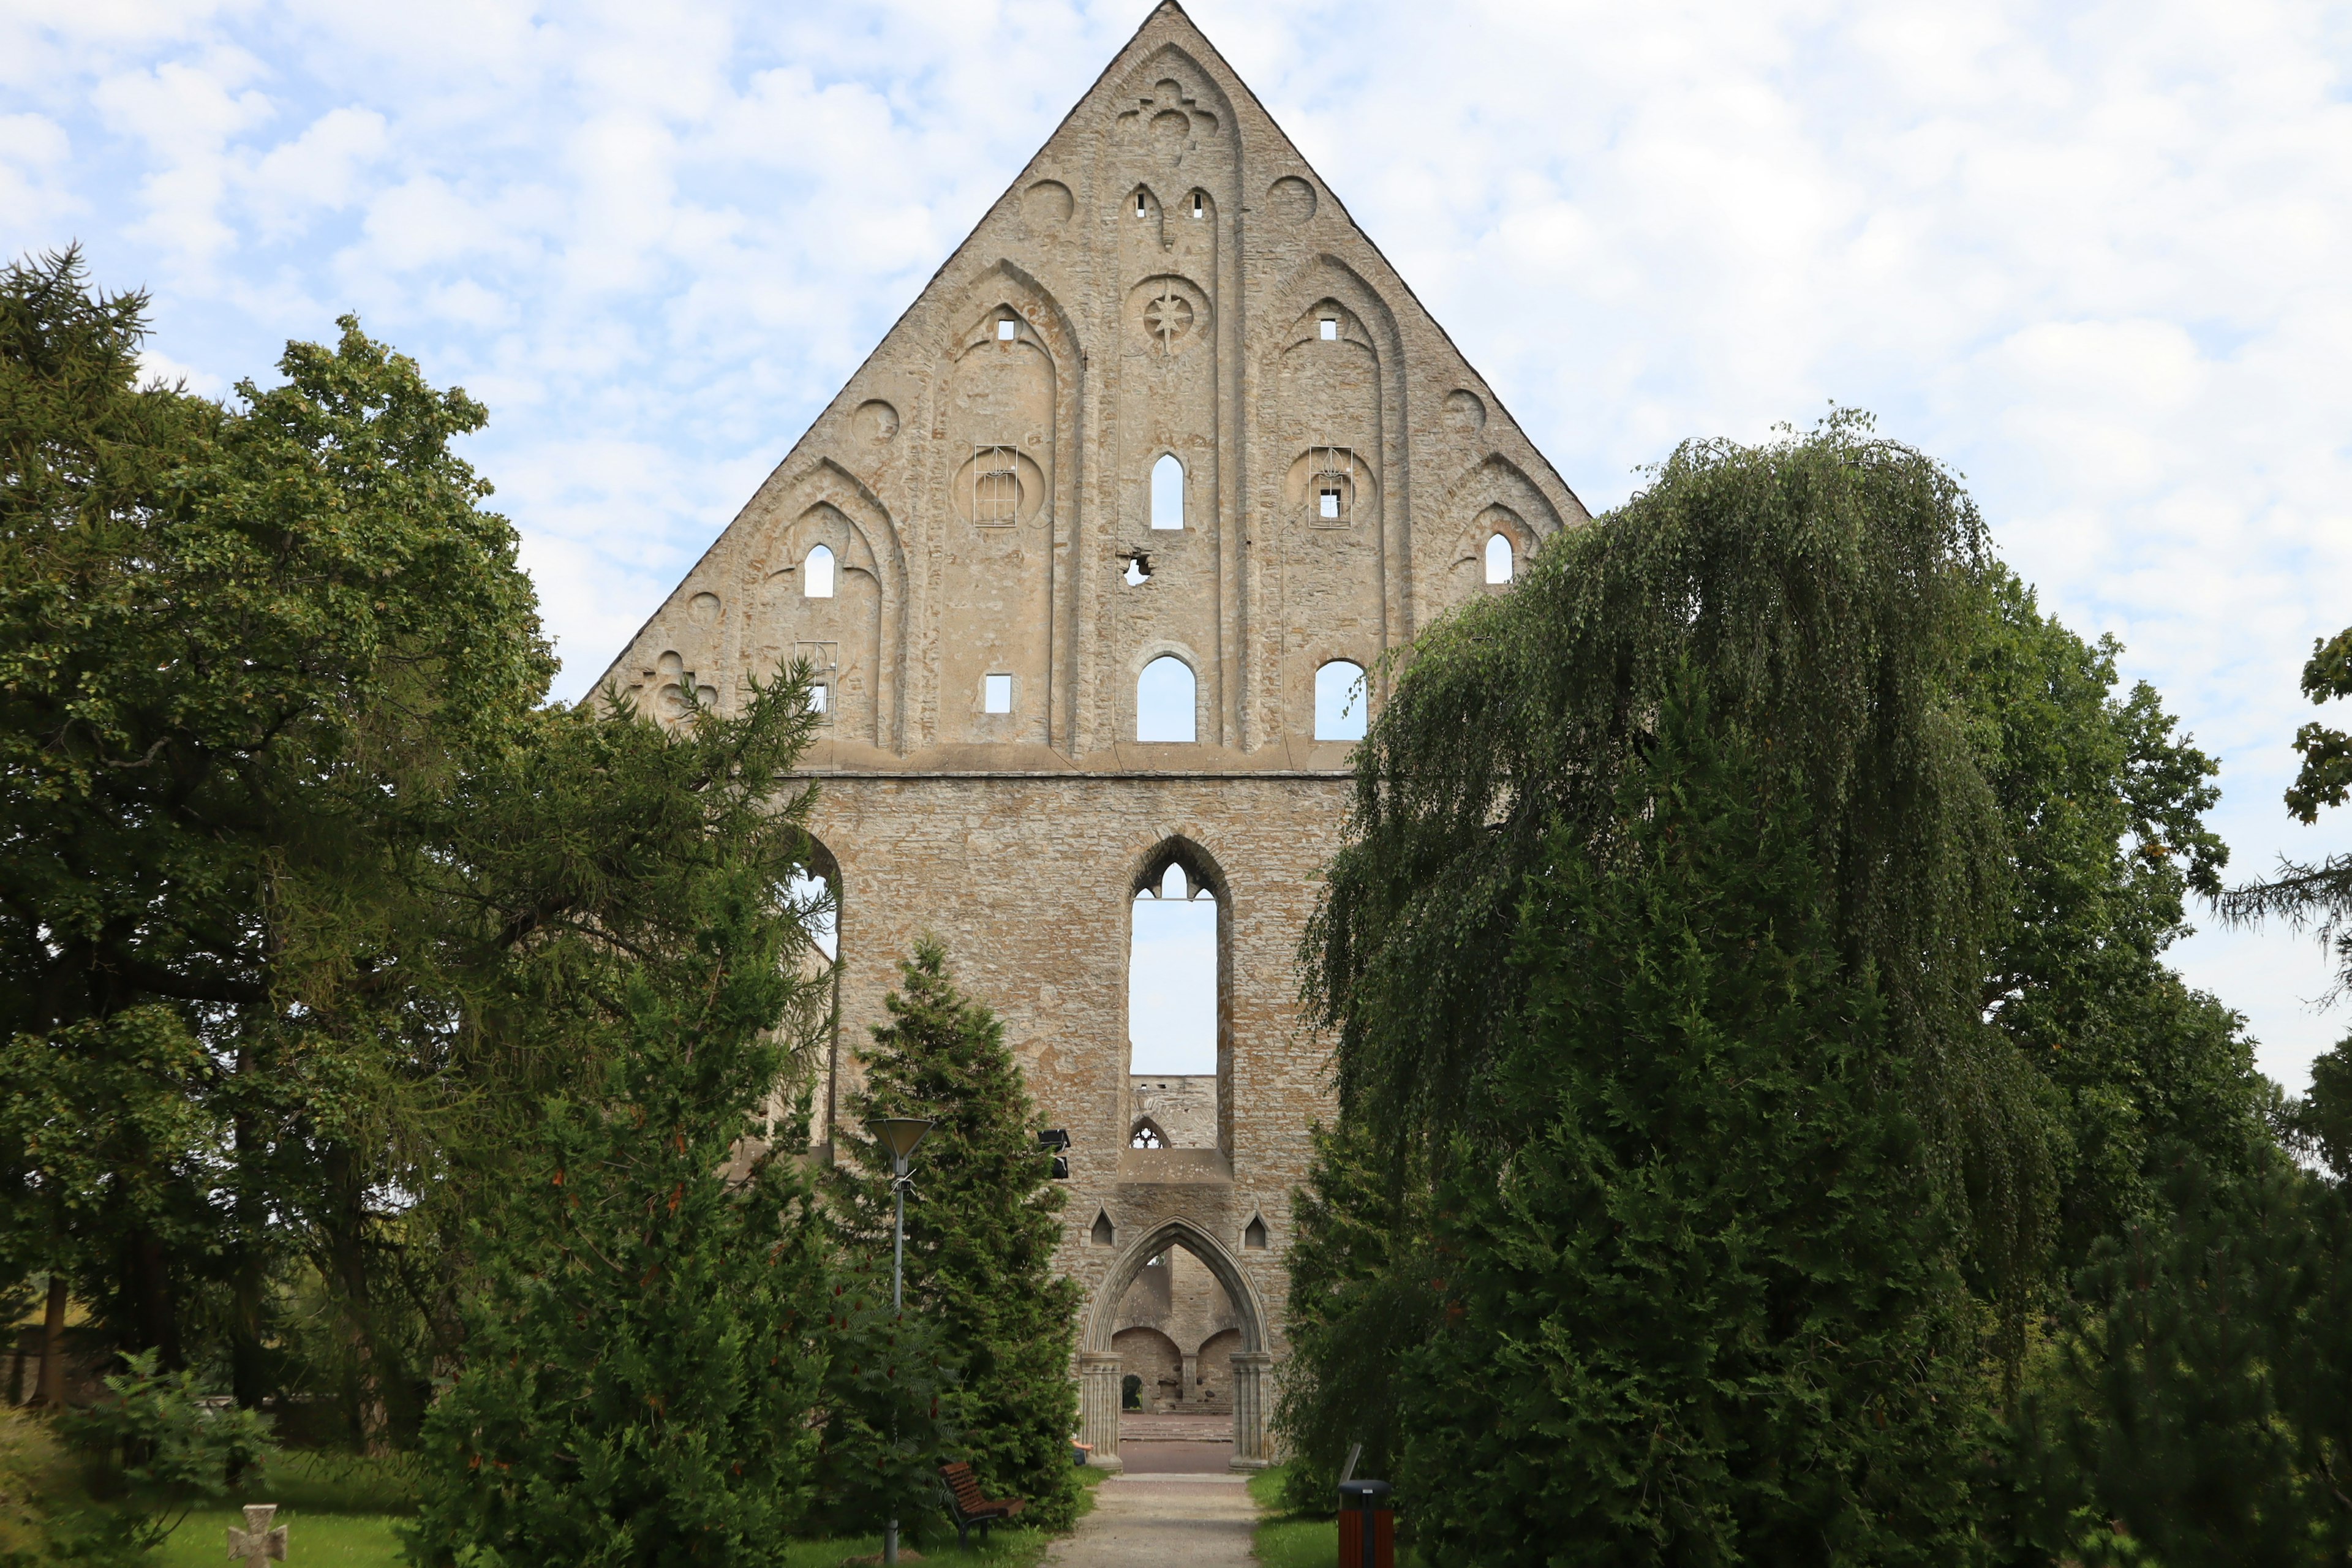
<point>1008,375</point>
<point>1177,1283</point>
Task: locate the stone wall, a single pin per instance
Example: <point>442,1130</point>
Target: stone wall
<point>964,549</point>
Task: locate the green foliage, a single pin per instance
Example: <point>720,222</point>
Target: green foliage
<point>2317,895</point>
<point>982,1222</point>
<point>47,1512</point>
<point>163,1447</point>
<point>2103,807</point>
<point>643,1354</point>
<point>890,1407</point>
<point>243,651</point>
<point>1825,590</point>
<point>1358,1304</point>
<point>2198,1407</point>
<point>1704,1309</point>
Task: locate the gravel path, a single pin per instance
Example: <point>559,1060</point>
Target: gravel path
<point>1154,1522</point>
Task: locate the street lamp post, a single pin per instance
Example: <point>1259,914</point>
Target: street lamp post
<point>899,1135</point>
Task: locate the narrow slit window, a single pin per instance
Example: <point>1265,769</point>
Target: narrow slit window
<point>1167,492</point>
<point>1200,207</point>
<point>816,573</point>
<point>997,694</point>
<point>1341,708</point>
<point>1499,562</point>
<point>1163,700</point>
<point>1140,211</point>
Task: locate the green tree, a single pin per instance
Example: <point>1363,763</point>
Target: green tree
<point>239,647</point>
<point>1704,1309</point>
<point>1823,592</point>
<point>980,1231</point>
<point>648,1340</point>
<point>2317,896</point>
<point>2103,809</point>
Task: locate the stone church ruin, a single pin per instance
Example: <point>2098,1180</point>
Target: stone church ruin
<point>1090,556</point>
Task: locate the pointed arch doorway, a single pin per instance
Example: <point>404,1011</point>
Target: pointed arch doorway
<point>1100,1365</point>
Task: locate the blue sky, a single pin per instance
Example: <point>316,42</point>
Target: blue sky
<point>2093,255</point>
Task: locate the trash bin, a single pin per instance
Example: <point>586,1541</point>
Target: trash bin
<point>1367,1525</point>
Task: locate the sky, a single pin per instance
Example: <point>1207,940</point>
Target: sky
<point>2093,257</point>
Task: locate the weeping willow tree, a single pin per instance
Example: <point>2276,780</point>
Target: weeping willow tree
<point>1822,594</point>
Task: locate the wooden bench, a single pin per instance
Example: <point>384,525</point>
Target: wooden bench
<point>970,1508</point>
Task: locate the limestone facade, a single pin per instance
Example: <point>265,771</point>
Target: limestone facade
<point>965,546</point>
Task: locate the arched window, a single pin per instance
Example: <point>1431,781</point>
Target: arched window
<point>1341,708</point>
<point>1163,700</point>
<point>1499,559</point>
<point>1147,1135</point>
<point>1171,981</point>
<point>1167,492</point>
<point>816,575</point>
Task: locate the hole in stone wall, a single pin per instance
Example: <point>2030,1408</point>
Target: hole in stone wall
<point>820,698</point>
<point>996,693</point>
<point>1007,329</point>
<point>1331,329</point>
<point>1138,569</point>
<point>1327,501</point>
<point>1500,561</point>
<point>1167,492</point>
<point>1164,700</point>
<point>1104,1235</point>
<point>1340,708</point>
<point>816,573</point>
<point>1254,1236</point>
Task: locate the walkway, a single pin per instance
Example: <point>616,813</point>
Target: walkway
<point>1152,1522</point>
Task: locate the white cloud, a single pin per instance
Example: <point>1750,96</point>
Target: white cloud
<point>2091,256</point>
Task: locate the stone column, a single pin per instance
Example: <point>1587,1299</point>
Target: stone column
<point>1252,1409</point>
<point>1098,1373</point>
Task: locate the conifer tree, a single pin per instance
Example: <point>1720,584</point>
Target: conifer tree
<point>648,1339</point>
<point>982,1226</point>
<point>1704,1309</point>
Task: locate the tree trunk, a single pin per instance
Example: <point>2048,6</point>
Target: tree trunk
<point>49,1393</point>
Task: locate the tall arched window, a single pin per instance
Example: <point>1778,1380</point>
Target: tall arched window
<point>1500,561</point>
<point>1341,708</point>
<point>1167,492</point>
<point>1171,981</point>
<point>1163,700</point>
<point>816,573</point>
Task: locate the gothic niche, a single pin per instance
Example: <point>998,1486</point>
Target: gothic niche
<point>1171,312</point>
<point>822,600</point>
<point>1000,419</point>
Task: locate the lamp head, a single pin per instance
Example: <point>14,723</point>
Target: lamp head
<point>899,1135</point>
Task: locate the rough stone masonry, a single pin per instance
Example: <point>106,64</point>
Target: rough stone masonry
<point>982,544</point>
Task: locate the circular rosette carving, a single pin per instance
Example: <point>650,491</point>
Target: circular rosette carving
<point>1171,312</point>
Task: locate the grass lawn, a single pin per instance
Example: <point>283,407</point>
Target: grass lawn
<point>344,1512</point>
<point>1294,1541</point>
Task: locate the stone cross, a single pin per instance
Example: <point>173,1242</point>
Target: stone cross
<point>257,1543</point>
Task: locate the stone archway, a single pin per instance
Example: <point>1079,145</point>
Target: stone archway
<point>1253,1362</point>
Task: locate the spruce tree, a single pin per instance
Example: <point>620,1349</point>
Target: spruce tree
<point>1701,1308</point>
<point>983,1221</point>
